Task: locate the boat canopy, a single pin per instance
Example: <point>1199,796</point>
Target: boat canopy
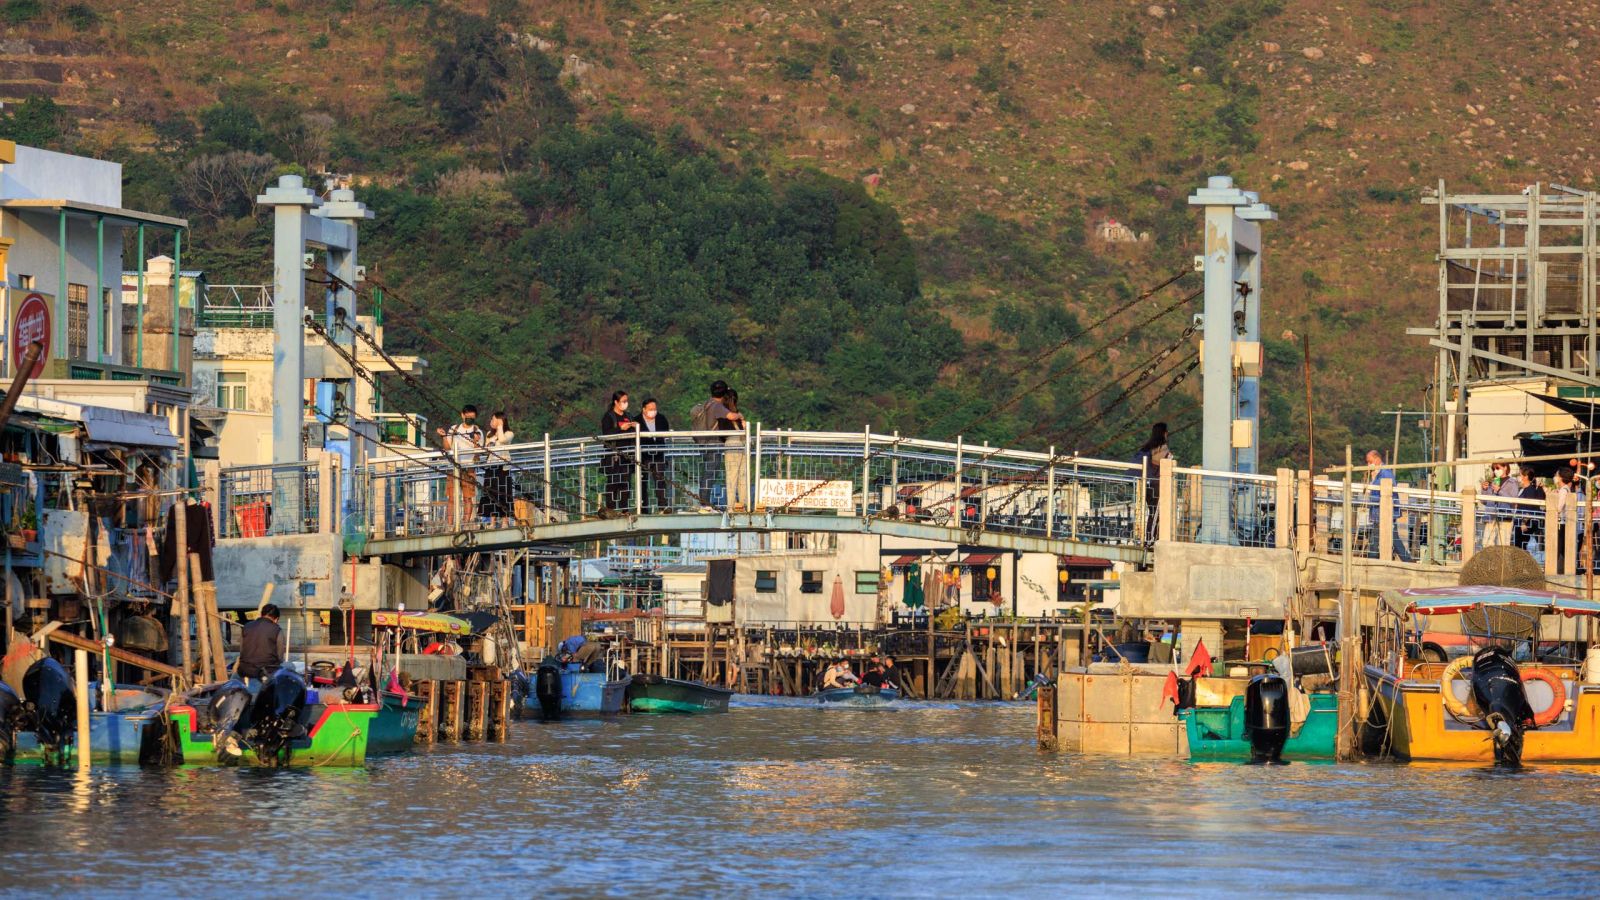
<point>1447,600</point>
<point>421,621</point>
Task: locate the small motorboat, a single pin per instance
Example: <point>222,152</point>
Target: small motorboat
<point>655,694</point>
<point>564,689</point>
<point>284,724</point>
<point>864,695</point>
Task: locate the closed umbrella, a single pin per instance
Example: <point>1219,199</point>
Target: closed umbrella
<point>836,605</point>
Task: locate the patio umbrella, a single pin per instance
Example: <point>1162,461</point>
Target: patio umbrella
<point>913,595</point>
<point>836,605</point>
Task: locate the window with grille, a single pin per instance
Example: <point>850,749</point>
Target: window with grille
<point>231,390</point>
<point>77,321</point>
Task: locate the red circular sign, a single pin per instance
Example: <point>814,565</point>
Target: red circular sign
<point>32,323</point>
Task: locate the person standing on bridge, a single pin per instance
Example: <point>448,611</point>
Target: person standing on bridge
<point>461,445</point>
<point>707,415</point>
<point>654,456</point>
<point>735,463</point>
<point>1149,457</point>
<point>617,464</point>
<point>495,504</point>
<point>1373,513</point>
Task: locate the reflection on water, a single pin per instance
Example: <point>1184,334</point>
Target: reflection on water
<point>790,798</point>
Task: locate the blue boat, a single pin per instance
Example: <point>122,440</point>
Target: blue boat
<point>863,695</point>
<point>125,736</point>
<point>394,728</point>
<point>584,693</point>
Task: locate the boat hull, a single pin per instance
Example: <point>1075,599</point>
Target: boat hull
<point>864,696</point>
<point>653,694</point>
<point>1419,727</point>
<point>1217,733</point>
<point>127,736</point>
<point>586,694</point>
<point>336,735</point>
<point>394,727</point>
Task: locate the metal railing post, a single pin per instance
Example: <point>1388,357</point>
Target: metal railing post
<point>583,480</point>
<point>1077,486</point>
<point>983,490</point>
<point>955,498</point>
<point>548,514</point>
<point>1552,528</point>
<point>894,475</point>
<point>377,487</point>
<point>1167,500</point>
<point>1469,523</point>
<point>866,468</point>
<point>1385,530</point>
<point>1282,506</point>
<point>1050,497</point>
<point>638,472</point>
<point>755,473</point>
<point>1141,501</point>
<point>327,492</point>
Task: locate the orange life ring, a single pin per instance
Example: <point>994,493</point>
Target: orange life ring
<point>1558,690</point>
<point>1453,704</point>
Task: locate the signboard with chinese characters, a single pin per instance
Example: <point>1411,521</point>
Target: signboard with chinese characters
<point>30,321</point>
<point>807,493</point>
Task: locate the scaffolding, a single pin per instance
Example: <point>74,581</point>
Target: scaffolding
<point>1517,277</point>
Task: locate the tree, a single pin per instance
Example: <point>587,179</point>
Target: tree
<point>37,122</point>
<point>531,102</point>
<point>466,70</point>
<point>232,126</point>
<point>224,185</point>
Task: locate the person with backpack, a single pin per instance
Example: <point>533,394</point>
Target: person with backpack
<point>705,416</point>
<point>1149,457</point>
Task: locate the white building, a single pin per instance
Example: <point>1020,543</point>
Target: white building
<point>62,229</point>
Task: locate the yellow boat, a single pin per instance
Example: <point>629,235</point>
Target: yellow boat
<point>1431,710</point>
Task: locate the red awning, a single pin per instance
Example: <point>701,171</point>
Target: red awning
<point>979,559</point>
<point>908,560</point>
<point>1084,562</point>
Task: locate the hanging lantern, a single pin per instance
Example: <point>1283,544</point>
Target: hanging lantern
<point>888,575</point>
<point>991,573</point>
<point>1061,576</point>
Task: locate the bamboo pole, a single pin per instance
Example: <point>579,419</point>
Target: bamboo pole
<point>180,599</point>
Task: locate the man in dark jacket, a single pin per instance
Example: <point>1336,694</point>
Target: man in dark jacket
<point>653,455</point>
<point>261,646</point>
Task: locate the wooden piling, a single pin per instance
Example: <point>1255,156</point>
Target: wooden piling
<point>428,716</point>
<point>477,711</point>
<point>450,697</point>
<point>1048,718</point>
<point>499,710</point>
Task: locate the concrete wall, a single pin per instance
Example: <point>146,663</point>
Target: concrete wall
<point>303,569</point>
<point>46,175</point>
<point>1205,581</point>
<point>1119,710</point>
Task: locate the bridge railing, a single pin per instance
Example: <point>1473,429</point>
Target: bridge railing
<point>257,501</point>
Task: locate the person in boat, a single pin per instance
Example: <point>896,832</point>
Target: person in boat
<point>874,676</point>
<point>839,675</point>
<point>580,650</point>
<point>260,648</point>
<point>891,676</point>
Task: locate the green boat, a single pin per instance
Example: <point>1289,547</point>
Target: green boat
<point>654,694</point>
<point>1216,733</point>
<point>336,735</point>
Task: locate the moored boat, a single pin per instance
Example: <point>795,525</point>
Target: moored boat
<point>861,695</point>
<point>655,694</point>
<point>580,693</point>
<point>1521,697</point>
<point>1219,733</point>
<point>283,725</point>
<point>394,725</point>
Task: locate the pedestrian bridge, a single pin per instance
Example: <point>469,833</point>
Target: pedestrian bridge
<point>415,503</point>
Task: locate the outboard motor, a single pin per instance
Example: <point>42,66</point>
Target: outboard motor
<point>1497,687</point>
<point>224,714</point>
<point>521,690</point>
<point>275,716</point>
<point>547,688</point>
<point>10,712</point>
<point>1266,717</point>
<point>51,707</point>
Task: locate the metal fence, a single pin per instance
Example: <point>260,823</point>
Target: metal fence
<point>256,501</point>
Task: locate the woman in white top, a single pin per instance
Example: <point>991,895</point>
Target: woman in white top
<point>495,503</point>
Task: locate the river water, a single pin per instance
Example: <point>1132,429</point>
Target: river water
<point>783,798</point>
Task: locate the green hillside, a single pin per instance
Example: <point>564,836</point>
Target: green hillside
<point>880,212</point>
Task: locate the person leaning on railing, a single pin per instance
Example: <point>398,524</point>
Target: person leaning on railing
<point>1380,474</point>
<point>1497,516</point>
<point>1530,519</point>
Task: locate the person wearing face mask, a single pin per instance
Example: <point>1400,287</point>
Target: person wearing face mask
<point>618,462</point>
<point>653,454</point>
<point>461,443</point>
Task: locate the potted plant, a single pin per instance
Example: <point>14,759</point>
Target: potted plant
<point>28,524</point>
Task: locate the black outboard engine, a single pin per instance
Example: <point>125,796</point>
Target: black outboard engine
<point>10,712</point>
<point>1497,687</point>
<point>275,716</point>
<point>547,688</point>
<point>1266,717</point>
<point>521,690</point>
<point>51,707</point>
<point>225,716</point>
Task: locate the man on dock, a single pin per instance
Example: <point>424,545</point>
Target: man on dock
<point>260,648</point>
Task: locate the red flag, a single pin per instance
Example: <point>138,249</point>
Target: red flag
<point>1200,663</point>
<point>1170,692</point>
